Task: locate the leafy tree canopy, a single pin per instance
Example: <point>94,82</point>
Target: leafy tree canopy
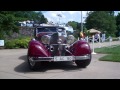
<point>101,20</point>
<point>8,20</point>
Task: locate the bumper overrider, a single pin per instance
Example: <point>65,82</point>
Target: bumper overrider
<point>61,58</point>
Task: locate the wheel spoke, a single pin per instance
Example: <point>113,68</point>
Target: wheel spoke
<point>31,61</point>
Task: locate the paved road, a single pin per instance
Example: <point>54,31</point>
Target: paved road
<point>13,65</point>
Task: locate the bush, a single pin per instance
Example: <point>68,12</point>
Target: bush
<point>17,43</point>
<point>9,44</point>
<point>112,35</point>
<point>115,39</point>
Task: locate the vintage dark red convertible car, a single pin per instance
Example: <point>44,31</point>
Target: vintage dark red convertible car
<point>51,43</point>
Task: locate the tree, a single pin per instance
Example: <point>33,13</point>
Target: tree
<point>118,21</point>
<point>110,13</point>
<point>7,25</point>
<point>118,24</point>
<point>73,24</point>
<point>79,26</point>
<point>9,20</point>
<point>43,19</point>
<point>28,15</point>
<point>102,21</point>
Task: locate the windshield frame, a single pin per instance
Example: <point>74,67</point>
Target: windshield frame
<point>46,29</point>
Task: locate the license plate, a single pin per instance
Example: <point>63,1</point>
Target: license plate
<point>63,58</point>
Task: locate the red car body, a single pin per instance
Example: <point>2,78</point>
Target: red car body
<point>56,48</point>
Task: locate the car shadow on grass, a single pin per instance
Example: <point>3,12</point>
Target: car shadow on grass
<point>47,66</point>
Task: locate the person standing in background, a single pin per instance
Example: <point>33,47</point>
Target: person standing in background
<point>103,37</point>
<point>81,35</point>
<point>97,37</point>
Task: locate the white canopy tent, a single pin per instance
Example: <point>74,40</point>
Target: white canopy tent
<point>94,31</point>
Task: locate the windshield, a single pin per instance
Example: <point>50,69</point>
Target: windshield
<point>47,29</point>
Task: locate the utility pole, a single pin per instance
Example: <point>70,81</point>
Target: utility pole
<point>81,23</point>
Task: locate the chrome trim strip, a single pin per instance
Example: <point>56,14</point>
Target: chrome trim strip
<point>59,44</point>
<point>38,59</point>
<point>83,57</point>
<point>43,59</point>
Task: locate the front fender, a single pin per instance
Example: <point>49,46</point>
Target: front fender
<point>37,49</point>
<point>80,48</point>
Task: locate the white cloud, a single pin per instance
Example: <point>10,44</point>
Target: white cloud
<point>53,14</point>
<point>66,16</point>
<point>72,12</point>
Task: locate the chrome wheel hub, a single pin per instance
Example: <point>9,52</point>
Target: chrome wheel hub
<point>31,61</point>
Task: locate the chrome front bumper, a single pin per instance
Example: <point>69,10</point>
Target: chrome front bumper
<point>62,58</point>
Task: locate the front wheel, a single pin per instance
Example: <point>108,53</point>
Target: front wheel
<point>32,64</point>
<point>83,63</point>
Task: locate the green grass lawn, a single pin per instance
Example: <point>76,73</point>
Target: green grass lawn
<point>113,53</point>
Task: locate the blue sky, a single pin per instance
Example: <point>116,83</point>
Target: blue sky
<point>66,16</point>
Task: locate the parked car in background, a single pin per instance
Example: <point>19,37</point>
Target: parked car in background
<point>52,44</point>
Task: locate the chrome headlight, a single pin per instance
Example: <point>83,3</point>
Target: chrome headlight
<point>70,39</point>
<point>45,39</point>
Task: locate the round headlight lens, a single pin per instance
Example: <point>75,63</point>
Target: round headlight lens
<point>70,39</point>
<point>45,39</point>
